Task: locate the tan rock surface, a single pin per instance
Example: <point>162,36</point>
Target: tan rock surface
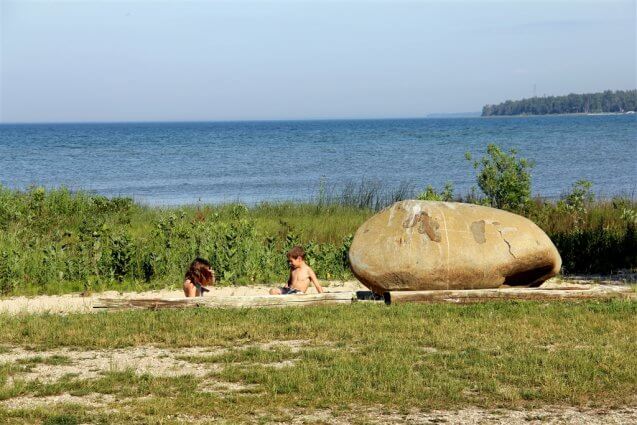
<point>424,245</point>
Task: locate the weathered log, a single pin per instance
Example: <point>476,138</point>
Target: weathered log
<point>530,294</point>
<point>393,297</point>
<point>232,301</point>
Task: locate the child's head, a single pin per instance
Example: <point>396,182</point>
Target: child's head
<point>296,256</point>
<point>200,272</point>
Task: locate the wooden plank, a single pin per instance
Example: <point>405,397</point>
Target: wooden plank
<point>392,297</point>
<point>233,301</point>
<point>532,294</point>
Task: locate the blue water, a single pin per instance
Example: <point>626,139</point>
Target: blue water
<point>178,163</point>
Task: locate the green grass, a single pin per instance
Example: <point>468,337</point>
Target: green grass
<point>247,355</point>
<point>55,241</point>
<point>501,354</point>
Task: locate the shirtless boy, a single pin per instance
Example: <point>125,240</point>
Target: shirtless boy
<point>300,275</point>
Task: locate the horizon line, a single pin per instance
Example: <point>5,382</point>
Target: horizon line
<point>177,121</point>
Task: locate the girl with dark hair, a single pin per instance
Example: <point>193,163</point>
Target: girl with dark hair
<point>198,276</point>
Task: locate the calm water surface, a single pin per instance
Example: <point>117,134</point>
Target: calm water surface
<point>178,163</point>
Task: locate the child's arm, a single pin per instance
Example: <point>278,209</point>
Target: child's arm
<point>189,289</point>
<point>315,281</point>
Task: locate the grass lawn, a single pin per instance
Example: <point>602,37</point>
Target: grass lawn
<point>264,365</point>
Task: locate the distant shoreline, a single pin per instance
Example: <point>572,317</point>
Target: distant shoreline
<point>570,114</point>
<point>607,102</point>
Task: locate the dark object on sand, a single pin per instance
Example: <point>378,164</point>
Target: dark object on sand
<point>201,289</point>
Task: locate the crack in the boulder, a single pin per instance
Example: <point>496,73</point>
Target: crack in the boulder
<point>506,242</point>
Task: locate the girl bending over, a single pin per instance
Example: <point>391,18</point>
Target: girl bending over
<point>198,276</point>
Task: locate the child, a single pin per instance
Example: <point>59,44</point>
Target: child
<point>198,276</point>
<point>300,275</point>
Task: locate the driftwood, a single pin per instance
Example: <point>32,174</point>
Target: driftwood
<point>531,294</point>
<point>233,301</point>
<point>464,296</point>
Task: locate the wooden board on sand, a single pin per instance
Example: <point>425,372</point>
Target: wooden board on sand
<point>233,301</point>
<point>579,292</point>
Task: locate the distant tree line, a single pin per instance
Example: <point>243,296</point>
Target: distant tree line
<point>607,101</point>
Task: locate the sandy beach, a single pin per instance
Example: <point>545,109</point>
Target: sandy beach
<point>76,303</point>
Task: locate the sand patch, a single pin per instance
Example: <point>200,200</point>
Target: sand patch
<point>546,415</point>
<point>295,345</point>
<point>224,388</point>
<point>29,402</point>
<point>76,303</point>
<point>471,415</point>
<point>91,364</point>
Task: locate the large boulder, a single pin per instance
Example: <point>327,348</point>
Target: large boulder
<point>423,245</point>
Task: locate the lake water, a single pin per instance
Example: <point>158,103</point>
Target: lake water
<point>178,163</point>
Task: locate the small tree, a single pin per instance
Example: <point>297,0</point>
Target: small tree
<point>504,178</point>
<point>579,197</point>
<point>576,201</point>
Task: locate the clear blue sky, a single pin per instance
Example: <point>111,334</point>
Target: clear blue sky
<point>151,60</point>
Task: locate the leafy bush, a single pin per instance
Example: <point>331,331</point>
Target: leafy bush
<point>504,178</point>
<point>577,201</point>
<point>591,236</point>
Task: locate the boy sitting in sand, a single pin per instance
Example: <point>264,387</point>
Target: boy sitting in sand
<point>300,275</point>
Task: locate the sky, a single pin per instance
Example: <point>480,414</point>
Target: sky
<point>89,61</point>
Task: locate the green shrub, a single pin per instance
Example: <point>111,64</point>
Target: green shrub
<point>576,202</point>
<point>430,194</point>
<point>504,179</point>
<point>591,236</point>
<point>8,277</point>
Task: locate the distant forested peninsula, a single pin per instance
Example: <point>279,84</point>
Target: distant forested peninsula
<point>589,103</point>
